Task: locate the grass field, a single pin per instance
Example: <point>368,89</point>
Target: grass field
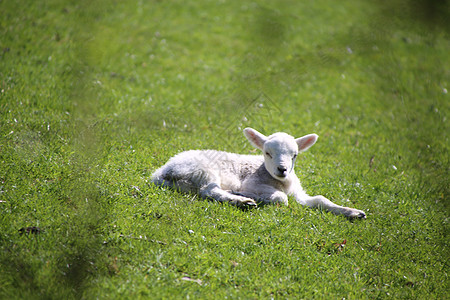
<point>95,95</point>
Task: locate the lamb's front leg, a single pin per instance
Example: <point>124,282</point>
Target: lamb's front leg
<point>324,203</point>
<point>266,194</point>
<point>213,191</point>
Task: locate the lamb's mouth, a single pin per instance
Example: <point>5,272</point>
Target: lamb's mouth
<point>282,175</point>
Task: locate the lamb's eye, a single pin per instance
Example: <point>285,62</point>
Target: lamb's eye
<point>295,156</point>
<point>268,154</point>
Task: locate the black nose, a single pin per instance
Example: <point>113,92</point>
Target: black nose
<point>282,170</point>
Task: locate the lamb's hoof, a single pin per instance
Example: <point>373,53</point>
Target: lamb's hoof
<point>250,203</point>
<point>355,214</point>
<point>245,203</point>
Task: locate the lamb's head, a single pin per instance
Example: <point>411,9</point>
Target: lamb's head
<point>280,150</point>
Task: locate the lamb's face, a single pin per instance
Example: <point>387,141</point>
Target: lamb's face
<point>280,152</point>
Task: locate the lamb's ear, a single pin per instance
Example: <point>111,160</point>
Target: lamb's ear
<point>256,139</point>
<point>305,142</point>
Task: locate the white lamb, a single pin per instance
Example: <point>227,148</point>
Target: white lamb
<point>245,180</point>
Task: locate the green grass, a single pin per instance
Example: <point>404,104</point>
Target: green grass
<point>95,95</point>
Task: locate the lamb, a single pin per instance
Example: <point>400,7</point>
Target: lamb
<point>247,180</point>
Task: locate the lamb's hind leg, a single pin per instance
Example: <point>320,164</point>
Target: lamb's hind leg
<point>213,191</point>
<point>324,203</point>
<point>163,182</point>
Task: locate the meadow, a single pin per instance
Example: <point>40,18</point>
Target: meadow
<point>95,95</point>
